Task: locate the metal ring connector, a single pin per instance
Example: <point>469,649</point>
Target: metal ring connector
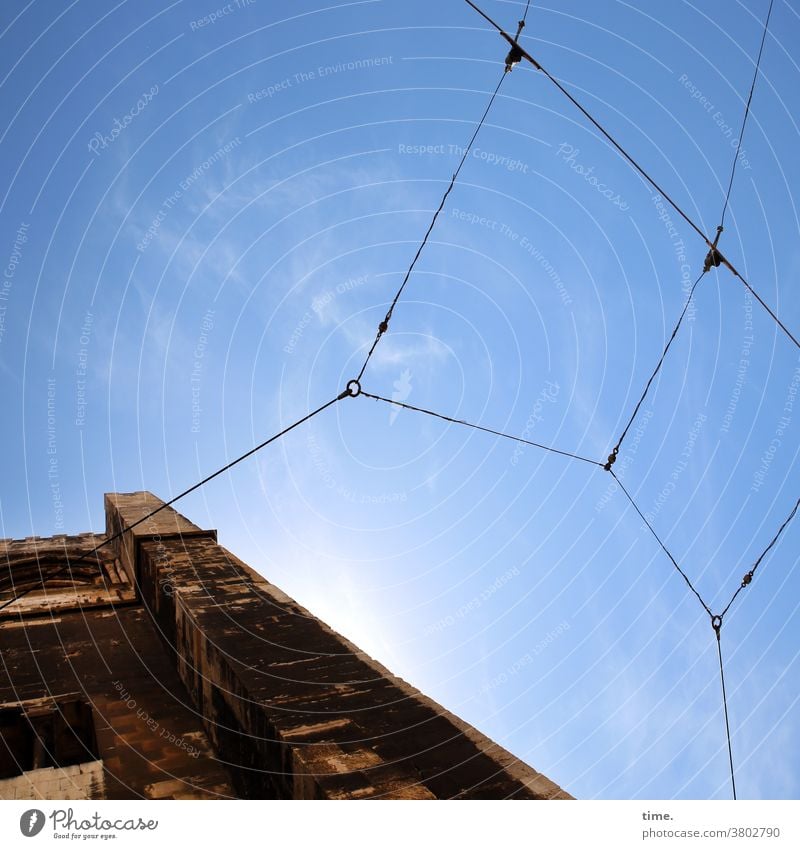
<point>353,388</point>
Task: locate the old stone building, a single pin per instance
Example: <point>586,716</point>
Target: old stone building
<point>164,667</point>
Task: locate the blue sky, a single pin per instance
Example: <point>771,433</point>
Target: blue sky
<point>206,210</point>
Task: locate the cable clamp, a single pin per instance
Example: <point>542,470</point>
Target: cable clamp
<point>747,578</point>
<point>514,57</point>
<point>515,54</point>
<point>713,258</point>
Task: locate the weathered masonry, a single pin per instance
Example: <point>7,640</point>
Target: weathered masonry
<point>164,667</point>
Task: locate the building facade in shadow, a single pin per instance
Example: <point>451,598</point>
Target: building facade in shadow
<point>164,667</point>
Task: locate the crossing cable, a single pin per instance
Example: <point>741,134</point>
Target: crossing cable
<point>665,549</point>
<point>522,52</point>
<point>749,576</point>
<point>746,113</point>
<point>384,325</point>
<point>613,456</point>
<point>716,257</point>
<point>186,492</point>
<point>480,427</point>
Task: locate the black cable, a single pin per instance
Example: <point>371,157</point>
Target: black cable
<point>658,540</point>
<point>749,576</point>
<point>520,27</point>
<point>717,629</point>
<point>638,167</point>
<point>657,369</point>
<point>746,113</point>
<point>720,258</point>
<point>384,325</point>
<point>596,123</point>
<point>479,427</point>
<point>758,297</point>
<point>152,513</point>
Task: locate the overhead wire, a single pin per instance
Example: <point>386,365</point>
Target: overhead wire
<point>384,325</point>
<point>480,427</point>
<point>749,575</point>
<point>722,259</point>
<point>663,546</point>
<point>615,450</point>
<point>763,303</point>
<point>717,629</point>
<point>715,258</point>
<point>746,113</point>
<point>225,468</point>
